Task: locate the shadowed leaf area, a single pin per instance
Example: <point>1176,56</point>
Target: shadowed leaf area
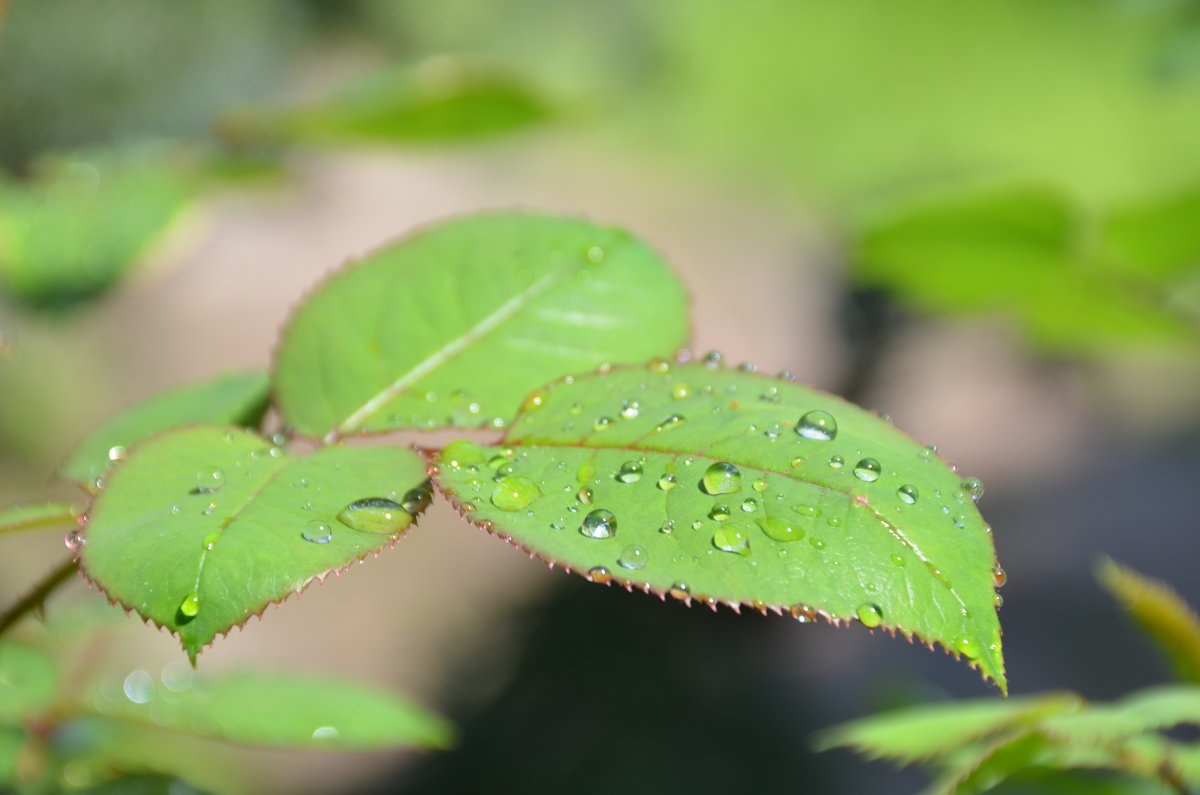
<point>1161,613</point>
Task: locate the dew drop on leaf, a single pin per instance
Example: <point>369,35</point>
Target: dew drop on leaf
<point>670,422</point>
<point>719,512</point>
<point>867,470</point>
<point>633,557</point>
<point>680,391</point>
<point>416,500</point>
<point>629,409</point>
<point>209,480</point>
<point>584,495</point>
<point>680,590</point>
<point>116,453</point>
<point>820,426</point>
<point>600,574</point>
<point>374,515</point>
<point>667,481</point>
<point>973,487</point>
<point>534,401</point>
<point>190,605</point>
<point>462,453</point>
<point>713,359</point>
<point>999,577</point>
<point>837,462</point>
<point>599,524</point>
<point>732,538</point>
<point>317,532</point>
<point>760,485</point>
<point>749,505</point>
<point>869,614</point>
<point>721,478</point>
<point>630,472</point>
<point>514,493</point>
<point>967,648</point>
<point>601,424</point>
<point>806,510</point>
<point>667,527</point>
<point>780,529</point>
<point>908,493</point>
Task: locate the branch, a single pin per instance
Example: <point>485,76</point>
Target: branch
<point>34,599</point>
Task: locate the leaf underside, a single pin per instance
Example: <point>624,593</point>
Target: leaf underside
<point>32,517</point>
<point>1158,610</point>
<point>157,543</point>
<point>453,325</point>
<point>807,526</point>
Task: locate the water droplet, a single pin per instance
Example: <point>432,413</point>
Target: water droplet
<point>595,255</point>
<point>748,367</point>
<point>770,395</point>
<point>497,461</point>
<point>680,590</point>
<point>317,532</point>
<point>659,366</point>
<point>209,509</point>
<point>760,485</point>
<point>211,540</point>
<point>967,648</point>
<point>817,543</point>
<point>514,492</point>
<point>898,559</point>
<point>209,480</point>
<point>719,513</point>
<point>670,422</point>
<point>190,605</point>
<point>837,462</point>
<point>908,493</point>
<point>600,574</point>
<point>667,527</point>
<point>601,424</point>
<point>795,462</point>
<point>374,515</point>
<point>116,453</point>
<point>833,521</point>
<point>867,470</point>
<point>721,478</point>
<point>585,495</point>
<point>713,359</point>
<point>820,426</point>
<point>630,472</point>
<point>534,401</point>
<point>869,614</point>
<point>417,499</point>
<point>585,472</point>
<point>999,577</point>
<point>667,481</point>
<point>929,452</point>
<point>807,510</point>
<point>780,529</point>
<point>599,524</point>
<point>749,505</point>
<point>680,391</point>
<point>629,409</point>
<point>973,487</point>
<point>732,538</point>
<point>633,557</point>
<point>576,408</point>
<point>999,600</point>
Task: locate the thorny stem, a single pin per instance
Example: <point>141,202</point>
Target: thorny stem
<point>32,600</point>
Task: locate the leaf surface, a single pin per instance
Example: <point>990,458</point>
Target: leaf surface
<point>28,677</point>
<point>275,709</point>
<point>1158,610</point>
<point>203,527</point>
<point>32,517</point>
<point>701,483</point>
<point>453,325</point>
<point>238,399</point>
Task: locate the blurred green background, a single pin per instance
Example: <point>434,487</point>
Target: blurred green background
<point>981,217</point>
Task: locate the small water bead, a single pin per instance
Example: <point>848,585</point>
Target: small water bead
<point>585,495</point>
<point>209,509</point>
<point>374,515</point>
<point>515,492</point>
<point>601,424</point>
<point>760,485</point>
<point>749,505</point>
<point>929,452</point>
<point>497,461</point>
<point>870,614</point>
<point>797,461</point>
<point>210,541</point>
<point>696,525</point>
<point>630,472</point>
<point>629,409</point>
<point>633,557</point>
<point>504,470</point>
<point>721,478</point>
<point>999,577</point>
<point>748,367</point>
<point>732,538</point>
<point>600,574</point>
<point>837,462</point>
<point>534,401</point>
<point>599,524</point>
<point>833,521</point>
<point>190,605</point>
<point>908,493</point>
<point>770,395</point>
<point>576,408</point>
<point>817,543</point>
<point>659,366</point>
<point>973,487</point>
<point>557,526</point>
<point>116,453</point>
<point>594,255</point>
<point>780,529</point>
<point>667,481</point>
<point>713,359</point>
<point>317,532</point>
<point>680,590</point>
<point>670,422</point>
<point>209,481</point>
<point>967,648</point>
<point>680,391</point>
<point>667,527</point>
<point>495,422</point>
<point>719,513</point>
<point>819,426</point>
<point>417,499</point>
<point>867,470</point>
<point>898,559</point>
<point>999,600</point>
<point>807,510</point>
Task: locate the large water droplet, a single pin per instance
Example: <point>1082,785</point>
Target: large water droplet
<point>633,557</point>
<point>820,426</point>
<point>908,493</point>
<point>780,529</point>
<point>599,524</point>
<point>667,481</point>
<point>630,472</point>
<point>515,492</point>
<point>973,487</point>
<point>317,532</point>
<point>870,614</point>
<point>209,480</point>
<point>190,605</point>
<point>867,470</point>
<point>462,453</point>
<point>967,648</point>
<point>732,538</point>
<point>374,515</point>
<point>721,478</point>
<point>417,499</point>
<point>749,505</point>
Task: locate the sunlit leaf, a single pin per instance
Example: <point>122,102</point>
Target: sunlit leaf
<point>453,325</point>
<point>83,222</point>
<point>33,517</point>
<point>740,489</point>
<point>1164,616</point>
<point>1157,239</point>
<point>203,527</point>
<point>1151,709</point>
<point>234,399</point>
<point>28,677</point>
<point>274,709</point>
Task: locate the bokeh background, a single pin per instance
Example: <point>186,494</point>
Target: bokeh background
<point>981,218</point>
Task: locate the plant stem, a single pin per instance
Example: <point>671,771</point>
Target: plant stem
<point>32,600</point>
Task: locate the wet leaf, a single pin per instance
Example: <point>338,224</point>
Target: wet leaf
<point>203,527</point>
<point>741,489</point>
<point>453,325</point>
<point>33,517</point>
<point>237,399</point>
<point>1158,610</point>
<point>275,709</point>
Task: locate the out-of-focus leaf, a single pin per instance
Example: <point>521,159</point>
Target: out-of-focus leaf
<point>275,709</point>
<point>11,742</point>
<point>203,527</point>
<point>27,680</point>
<point>234,399</point>
<point>454,325</point>
<point>1146,710</point>
<point>83,222</point>
<point>32,517</point>
<point>1158,610</point>
<point>442,99</point>
<point>1157,239</point>
<point>1020,253</point>
<point>927,732</point>
<point>731,487</point>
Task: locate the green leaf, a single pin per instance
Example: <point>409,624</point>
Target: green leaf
<point>453,325</point>
<point>275,709</point>
<point>1157,239</point>
<point>32,517</point>
<point>928,732</point>
<point>723,488</point>
<point>1151,709</point>
<point>11,740</point>
<point>203,527</point>
<point>1164,616</point>
<point>1019,252</point>
<point>237,399</point>
<point>28,678</point>
<point>83,222</point>
<point>444,99</point>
